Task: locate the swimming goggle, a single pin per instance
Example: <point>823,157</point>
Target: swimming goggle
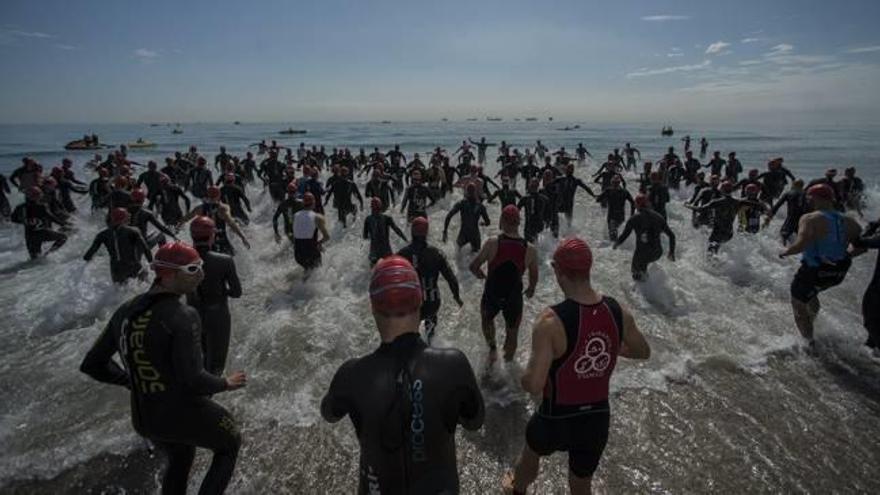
<point>191,268</point>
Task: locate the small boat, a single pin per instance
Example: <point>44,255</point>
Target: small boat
<point>471,120</point>
<point>236,123</point>
<point>291,130</point>
<point>550,119</point>
<point>445,119</point>
<point>531,119</point>
<point>516,120</point>
<point>385,122</point>
<point>154,125</point>
<point>79,144</point>
<point>140,143</point>
<point>177,131</point>
<point>667,131</point>
<point>493,119</point>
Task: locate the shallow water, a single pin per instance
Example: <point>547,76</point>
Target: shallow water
<point>729,402</point>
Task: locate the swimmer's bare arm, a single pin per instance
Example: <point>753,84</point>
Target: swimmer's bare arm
<point>223,211</point>
<point>634,345</point>
<point>322,226</point>
<point>805,236</point>
<point>541,358</point>
<point>486,253</point>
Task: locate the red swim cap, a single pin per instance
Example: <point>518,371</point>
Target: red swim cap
<point>375,204</point>
<point>103,172</point>
<point>727,186</point>
<point>175,254</point>
<point>50,183</point>
<point>753,189</point>
<point>395,289</point>
<point>163,179</point>
<point>641,201</point>
<point>213,192</point>
<point>510,215</point>
<point>202,228</point>
<point>308,199</point>
<point>821,191</point>
<point>292,186</point>
<point>119,216</point>
<point>138,196</point>
<point>420,227</point>
<point>121,181</point>
<point>573,257</point>
<point>753,173</point>
<point>56,172</point>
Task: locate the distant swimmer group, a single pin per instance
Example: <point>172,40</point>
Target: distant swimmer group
<point>406,398</point>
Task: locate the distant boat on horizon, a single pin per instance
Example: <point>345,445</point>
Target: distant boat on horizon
<point>444,119</point>
<point>531,119</point>
<point>494,119</point>
<point>550,119</point>
<point>385,122</point>
<point>472,119</point>
<point>236,123</point>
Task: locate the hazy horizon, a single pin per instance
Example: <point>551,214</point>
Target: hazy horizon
<point>276,61</point>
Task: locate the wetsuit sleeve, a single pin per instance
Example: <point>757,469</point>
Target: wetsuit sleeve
<point>357,194</point>
<point>671,236</point>
<point>233,284</point>
<point>395,228</point>
<point>450,277</point>
<point>139,239</point>
<point>185,200</point>
<point>186,352</point>
<point>159,225</point>
<point>99,363</point>
<point>585,187</point>
<point>337,403</point>
<point>868,241</point>
<point>96,244</point>
<point>778,204</point>
<point>627,229</point>
<point>788,173</point>
<point>471,410</point>
<point>245,200</point>
<point>455,209</point>
<point>366,233</point>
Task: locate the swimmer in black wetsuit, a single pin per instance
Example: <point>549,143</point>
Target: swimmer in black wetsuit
<point>552,193</point>
<point>508,255</point>
<point>212,295</point>
<point>200,178</point>
<point>482,145</point>
<point>870,239</point>
<point>150,178</point>
<point>233,195</point>
<point>658,194</point>
<point>648,225</point>
<point>287,209</point>
<point>615,198</point>
<point>157,337</point>
<point>342,189</point>
<point>219,212</point>
<point>575,346</point>
<point>703,195</point>
<point>417,199</point>
<point>405,399</point>
<point>507,195</point>
<point>5,208</point>
<point>141,219</point>
<point>471,211</point>
<point>724,211</point>
<point>430,263</point>
<point>377,227</point>
<point>567,186</point>
<point>124,244</point>
<point>169,201</point>
<point>37,221</point>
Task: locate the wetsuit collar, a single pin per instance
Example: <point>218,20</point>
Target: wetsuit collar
<point>403,341</point>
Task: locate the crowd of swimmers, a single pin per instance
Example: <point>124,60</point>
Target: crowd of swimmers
<point>406,398</point>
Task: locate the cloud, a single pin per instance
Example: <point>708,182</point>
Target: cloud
<point>751,62</point>
<point>751,40</point>
<point>716,48</point>
<point>144,54</point>
<point>675,54</point>
<point>864,49</point>
<point>780,49</point>
<point>644,72</point>
<point>62,46</point>
<point>27,34</point>
<point>665,17</point>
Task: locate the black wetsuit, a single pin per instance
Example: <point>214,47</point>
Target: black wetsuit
<point>430,263</point>
<point>405,400</point>
<point>154,187</point>
<point>37,221</point>
<point>568,185</point>
<point>534,205</point>
<point>503,291</point>
<point>507,196</point>
<point>272,173</point>
<point>716,165</point>
<point>775,180</point>
<point>703,196</point>
<point>234,196</point>
<point>342,190</point>
<point>126,246</point>
<point>416,201</point>
<point>733,169</point>
<point>658,197</point>
<point>211,300</point>
<point>648,225</point>
<point>221,237</point>
<point>724,210</point>
<point>469,231</point>
<point>870,239</point>
<point>65,188</point>
<point>286,209</point>
<point>615,200</point>
<point>377,227</point>
<point>158,338</point>
<point>551,207</point>
<point>169,204</point>
<point>141,219</point>
<point>378,188</point>
<point>200,179</point>
<point>5,208</point>
<point>99,191</point>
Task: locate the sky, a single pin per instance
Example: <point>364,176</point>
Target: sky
<point>289,61</point>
